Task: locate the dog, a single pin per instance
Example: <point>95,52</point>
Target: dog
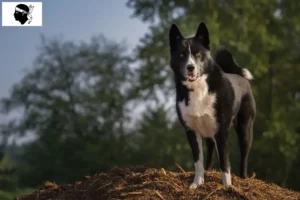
<point>211,96</point>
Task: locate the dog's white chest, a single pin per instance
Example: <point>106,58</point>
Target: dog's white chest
<point>199,114</point>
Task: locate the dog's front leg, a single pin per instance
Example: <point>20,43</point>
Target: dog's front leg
<point>196,146</point>
<point>223,152</point>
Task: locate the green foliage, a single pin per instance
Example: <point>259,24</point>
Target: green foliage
<point>160,139</point>
<point>8,178</point>
<point>9,195</point>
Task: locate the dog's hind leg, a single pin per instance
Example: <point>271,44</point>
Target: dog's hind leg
<point>210,144</point>
<point>244,130</point>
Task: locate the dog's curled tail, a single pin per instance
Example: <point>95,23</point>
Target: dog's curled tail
<point>226,61</point>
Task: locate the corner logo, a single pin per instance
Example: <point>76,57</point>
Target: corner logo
<point>21,13</point>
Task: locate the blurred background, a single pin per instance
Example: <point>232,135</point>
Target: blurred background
<point>92,88</point>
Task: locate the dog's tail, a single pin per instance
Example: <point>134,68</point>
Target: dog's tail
<point>226,61</point>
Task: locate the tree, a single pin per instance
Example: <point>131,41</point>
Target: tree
<point>74,100</point>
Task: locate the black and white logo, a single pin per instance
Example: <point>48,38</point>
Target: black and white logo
<point>21,13</point>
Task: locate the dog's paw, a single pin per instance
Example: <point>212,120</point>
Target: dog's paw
<point>226,179</point>
<point>198,180</point>
<point>193,186</point>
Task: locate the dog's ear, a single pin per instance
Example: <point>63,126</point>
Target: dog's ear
<point>174,36</point>
<point>202,34</point>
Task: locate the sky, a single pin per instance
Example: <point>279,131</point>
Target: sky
<point>73,20</point>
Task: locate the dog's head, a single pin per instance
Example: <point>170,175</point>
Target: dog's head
<point>189,56</point>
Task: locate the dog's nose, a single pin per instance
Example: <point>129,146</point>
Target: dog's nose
<point>190,68</point>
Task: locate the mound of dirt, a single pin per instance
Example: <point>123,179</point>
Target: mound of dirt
<point>148,183</point>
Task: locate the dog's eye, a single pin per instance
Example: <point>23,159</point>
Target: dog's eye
<point>181,55</point>
<point>198,54</point>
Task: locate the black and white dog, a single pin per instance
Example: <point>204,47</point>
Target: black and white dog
<point>211,95</point>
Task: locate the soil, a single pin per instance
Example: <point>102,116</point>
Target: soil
<point>140,183</point>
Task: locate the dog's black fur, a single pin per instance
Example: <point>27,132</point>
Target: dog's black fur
<point>229,88</point>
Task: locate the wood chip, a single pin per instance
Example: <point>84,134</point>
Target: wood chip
<point>163,171</point>
<point>159,195</point>
<point>180,168</point>
<point>131,193</point>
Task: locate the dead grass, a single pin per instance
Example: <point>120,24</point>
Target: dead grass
<point>147,183</point>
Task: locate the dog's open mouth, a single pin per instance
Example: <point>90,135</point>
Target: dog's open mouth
<point>191,76</point>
